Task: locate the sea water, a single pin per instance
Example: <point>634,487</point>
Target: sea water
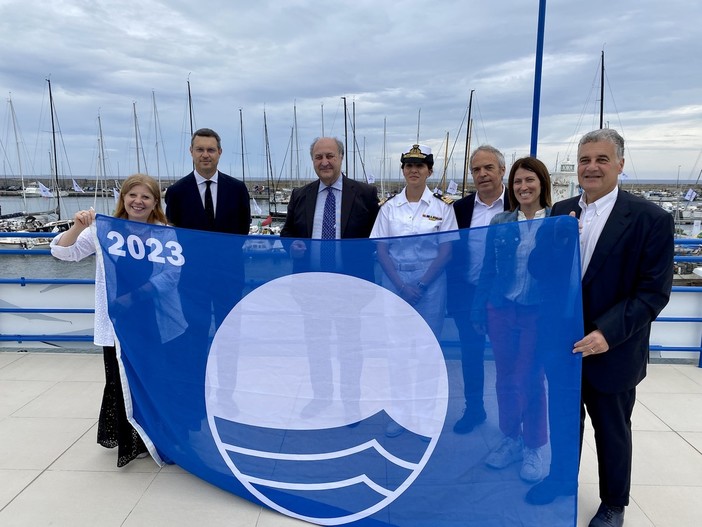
<point>46,266</point>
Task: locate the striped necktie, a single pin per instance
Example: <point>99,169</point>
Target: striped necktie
<point>328,249</point>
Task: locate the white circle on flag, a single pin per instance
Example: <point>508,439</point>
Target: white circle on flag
<point>317,352</point>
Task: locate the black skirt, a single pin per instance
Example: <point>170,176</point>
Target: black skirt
<point>114,430</point>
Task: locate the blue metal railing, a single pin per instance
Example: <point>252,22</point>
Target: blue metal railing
<point>68,338</point>
<point>24,282</point>
<point>684,242</point>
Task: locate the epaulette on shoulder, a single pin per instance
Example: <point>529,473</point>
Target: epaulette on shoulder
<point>385,200</point>
<point>443,198</point>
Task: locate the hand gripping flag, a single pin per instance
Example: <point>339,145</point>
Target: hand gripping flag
<point>337,397</point>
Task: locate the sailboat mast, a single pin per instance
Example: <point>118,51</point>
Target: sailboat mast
<point>269,165</point>
<point>190,114</point>
<point>382,171</point>
<point>136,136</point>
<point>190,108</point>
<point>297,145</point>
<point>241,137</point>
<point>446,160</point>
<point>602,73</point>
<point>419,119</point>
<point>466,160</point>
<point>322,119</point>
<point>353,133</point>
<point>102,156</point>
<point>346,140</point>
<point>17,145</point>
<point>53,136</point>
<point>158,163</point>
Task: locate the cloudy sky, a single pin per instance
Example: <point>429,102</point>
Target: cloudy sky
<point>405,63</point>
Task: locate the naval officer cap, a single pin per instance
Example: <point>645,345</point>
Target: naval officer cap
<point>418,155</point>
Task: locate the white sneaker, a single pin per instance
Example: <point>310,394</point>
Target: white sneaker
<point>532,465</point>
<point>509,451</point>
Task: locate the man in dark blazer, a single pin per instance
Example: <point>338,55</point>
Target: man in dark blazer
<point>627,262</point>
<point>207,200</point>
<point>355,211</point>
<point>487,167</point>
<point>186,199</point>
<point>356,207</point>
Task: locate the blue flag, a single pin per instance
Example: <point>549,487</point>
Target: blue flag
<point>326,379</point>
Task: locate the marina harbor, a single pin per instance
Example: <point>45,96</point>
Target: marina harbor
<point>51,381</point>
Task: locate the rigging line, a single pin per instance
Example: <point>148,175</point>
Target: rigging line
<point>694,167</point>
<point>480,118</point>
<point>355,141</point>
<point>63,144</point>
<point>629,153</point>
<point>579,122</point>
<point>163,148</point>
<point>288,148</point>
<point>458,133</point>
<point>38,134</point>
<point>336,113</point>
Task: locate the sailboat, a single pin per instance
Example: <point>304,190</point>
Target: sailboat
<point>40,221</point>
<point>25,220</point>
<point>564,180</point>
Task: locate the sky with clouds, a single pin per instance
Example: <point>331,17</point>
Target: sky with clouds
<point>402,66</point>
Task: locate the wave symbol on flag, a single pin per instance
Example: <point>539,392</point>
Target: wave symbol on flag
<point>342,402</point>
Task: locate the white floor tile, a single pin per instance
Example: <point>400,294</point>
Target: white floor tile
<point>77,499</point>
<point>680,411</point>
<point>670,506</point>
<point>46,366</point>
<point>66,399</point>
<point>52,471</point>
<point>12,482</point>
<point>35,443</point>
<point>694,438</point>
<point>665,457</point>
<point>663,378</point>
<point>14,395</point>
<point>645,419</point>
<point>184,500</point>
<point>8,358</point>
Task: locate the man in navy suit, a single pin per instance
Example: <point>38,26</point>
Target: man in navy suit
<point>186,199</point>
<point>208,200</point>
<point>487,167</point>
<point>627,273</point>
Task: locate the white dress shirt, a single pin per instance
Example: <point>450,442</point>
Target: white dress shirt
<point>592,219</point>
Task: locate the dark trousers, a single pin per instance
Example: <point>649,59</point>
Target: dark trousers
<point>472,354</point>
<point>610,414</point>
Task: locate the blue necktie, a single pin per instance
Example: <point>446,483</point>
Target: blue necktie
<point>329,218</point>
<point>329,231</point>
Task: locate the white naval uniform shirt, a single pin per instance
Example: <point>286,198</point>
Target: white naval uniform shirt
<point>399,217</point>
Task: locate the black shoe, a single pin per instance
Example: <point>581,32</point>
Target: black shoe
<point>548,490</point>
<point>608,516</point>
<point>470,419</point>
